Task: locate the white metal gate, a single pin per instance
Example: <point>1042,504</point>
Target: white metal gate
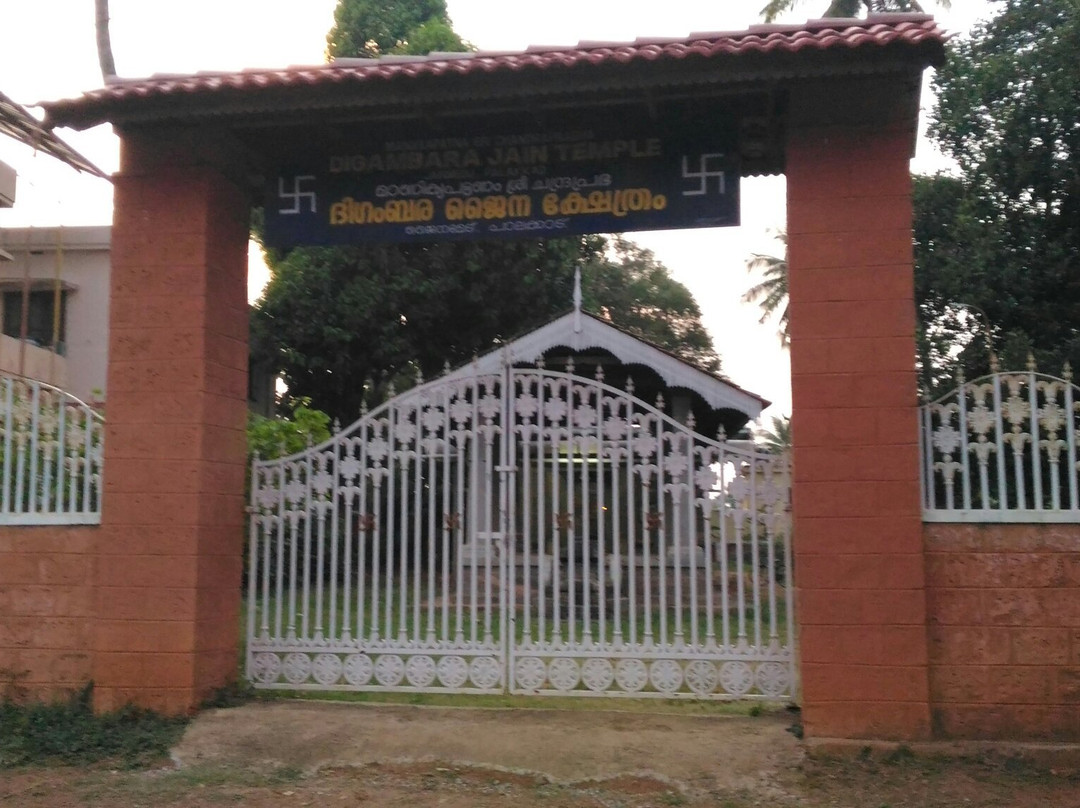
<point>529,532</point>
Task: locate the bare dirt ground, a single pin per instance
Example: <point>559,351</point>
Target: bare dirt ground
<point>267,755</point>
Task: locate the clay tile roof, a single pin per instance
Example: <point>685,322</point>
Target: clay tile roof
<point>913,33</point>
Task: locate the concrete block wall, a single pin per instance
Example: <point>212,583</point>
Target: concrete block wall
<point>857,515</point>
<point>169,567</point>
<point>46,610</point>
<point>1004,631</point>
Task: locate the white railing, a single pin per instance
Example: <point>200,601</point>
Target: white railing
<point>50,456</point>
<point>1002,448</point>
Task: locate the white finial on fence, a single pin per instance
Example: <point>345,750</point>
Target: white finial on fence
<point>995,366</point>
<point>577,299</point>
<point>599,372</point>
<point>1066,372</point>
<point>1031,362</point>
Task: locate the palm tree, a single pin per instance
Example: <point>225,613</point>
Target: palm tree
<point>847,8</point>
<point>104,43</point>
<point>771,294</point>
<point>778,439</point>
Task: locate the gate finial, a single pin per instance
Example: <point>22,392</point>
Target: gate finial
<point>577,299</point>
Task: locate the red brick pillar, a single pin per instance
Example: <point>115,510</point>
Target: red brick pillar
<point>857,520</point>
<point>168,564</point>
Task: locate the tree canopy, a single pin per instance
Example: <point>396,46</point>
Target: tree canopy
<point>846,8</point>
<point>998,244</point>
<point>375,28</point>
<point>629,286</point>
<point>771,292</point>
<point>342,324</point>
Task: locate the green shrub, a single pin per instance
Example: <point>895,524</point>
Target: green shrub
<point>68,732</point>
<point>274,437</point>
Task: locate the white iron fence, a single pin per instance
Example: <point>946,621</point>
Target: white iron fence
<point>524,532</point>
<point>50,456</point>
<point>1002,448</point>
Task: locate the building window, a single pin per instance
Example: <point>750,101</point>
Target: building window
<point>39,327</point>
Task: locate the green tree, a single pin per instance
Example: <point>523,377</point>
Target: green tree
<point>771,294</point>
<point>287,434</point>
<point>998,245</point>
<point>375,28</point>
<point>776,440</point>
<point>343,324</point>
<point>431,37</point>
<point>846,8</point>
<point>628,285</point>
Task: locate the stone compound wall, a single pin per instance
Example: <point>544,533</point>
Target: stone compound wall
<point>1003,606</point>
<point>46,610</point>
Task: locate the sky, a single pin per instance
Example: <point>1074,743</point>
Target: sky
<point>49,53</point>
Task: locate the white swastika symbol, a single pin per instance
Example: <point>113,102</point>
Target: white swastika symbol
<point>703,173</point>
<point>296,194</point>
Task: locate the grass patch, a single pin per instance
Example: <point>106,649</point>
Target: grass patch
<point>528,702</point>
<point>68,732</point>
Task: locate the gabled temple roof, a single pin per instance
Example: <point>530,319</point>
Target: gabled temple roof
<point>580,331</point>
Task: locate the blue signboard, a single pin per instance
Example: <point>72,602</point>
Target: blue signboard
<point>507,185</point>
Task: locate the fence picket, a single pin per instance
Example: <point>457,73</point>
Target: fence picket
<point>51,445</point>
<point>1033,487</point>
<point>587,544</point>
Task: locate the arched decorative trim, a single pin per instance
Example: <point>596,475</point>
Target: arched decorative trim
<point>581,331</point>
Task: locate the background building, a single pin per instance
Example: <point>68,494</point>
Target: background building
<point>54,306</point>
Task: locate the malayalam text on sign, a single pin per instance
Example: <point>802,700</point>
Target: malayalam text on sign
<point>508,185</point>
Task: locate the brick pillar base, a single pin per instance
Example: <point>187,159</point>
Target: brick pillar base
<point>168,567</point>
<point>857,520</point>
